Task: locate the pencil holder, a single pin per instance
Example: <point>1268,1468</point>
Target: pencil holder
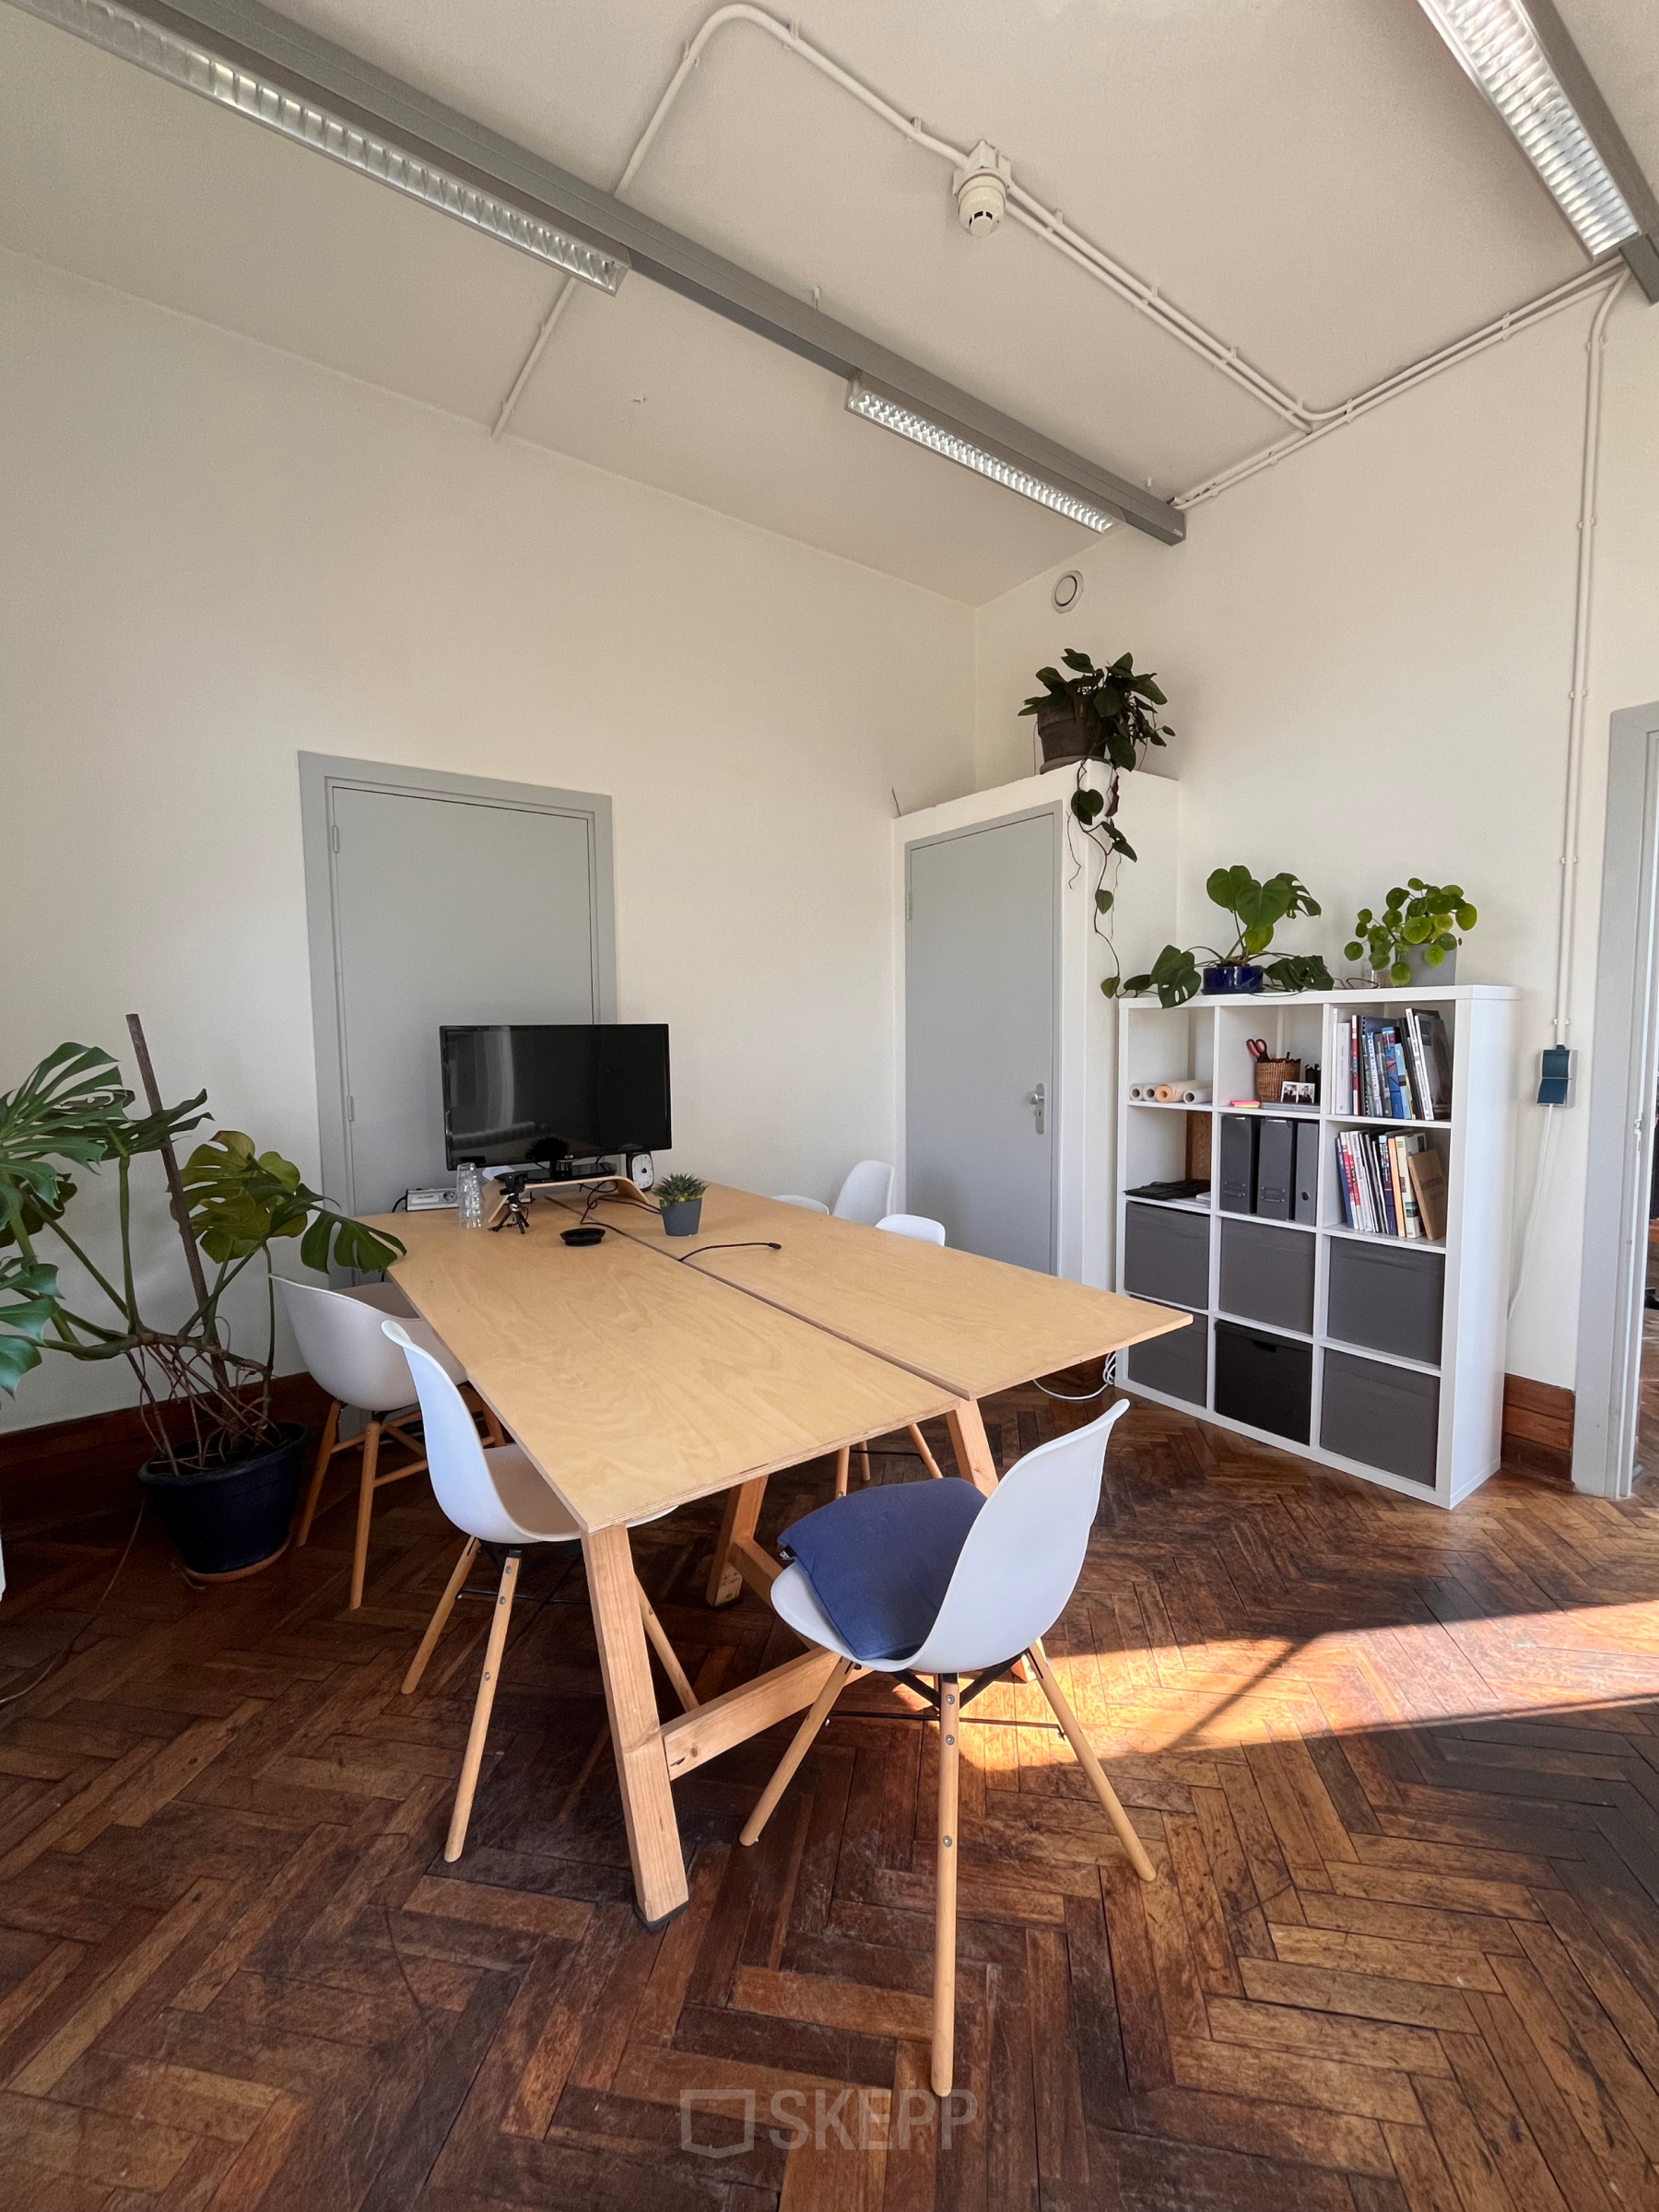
<point>1270,1074</point>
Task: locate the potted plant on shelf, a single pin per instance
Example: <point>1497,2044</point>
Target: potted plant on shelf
<point>1256,910</point>
<point>223,1472</point>
<point>1098,714</point>
<point>1414,939</point>
<point>680,1198</point>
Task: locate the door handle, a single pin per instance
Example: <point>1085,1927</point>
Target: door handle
<point>1038,1099</point>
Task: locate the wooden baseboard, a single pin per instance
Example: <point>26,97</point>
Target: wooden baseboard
<point>73,1470</point>
<point>1537,1426</point>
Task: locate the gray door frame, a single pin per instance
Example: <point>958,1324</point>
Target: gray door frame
<point>321,776</point>
<point>1052,1107</point>
<point>1624,1060</point>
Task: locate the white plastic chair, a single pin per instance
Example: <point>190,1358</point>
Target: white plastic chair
<point>866,1195</point>
<point>1013,1578</point>
<point>340,1341</point>
<point>913,1225</point>
<point>808,1206</point>
<point>923,1231</point>
<point>494,1496</point>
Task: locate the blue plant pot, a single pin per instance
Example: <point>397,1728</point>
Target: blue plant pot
<point>684,1218</point>
<point>1231,979</point>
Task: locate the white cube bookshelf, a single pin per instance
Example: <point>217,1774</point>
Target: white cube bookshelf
<point>1460,1392</point>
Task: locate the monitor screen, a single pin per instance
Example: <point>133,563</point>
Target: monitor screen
<point>548,1091</point>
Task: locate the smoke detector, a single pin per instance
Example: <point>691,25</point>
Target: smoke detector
<point>982,189</point>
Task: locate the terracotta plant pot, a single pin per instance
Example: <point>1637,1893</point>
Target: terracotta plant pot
<point>233,1520</point>
<point>1065,740</point>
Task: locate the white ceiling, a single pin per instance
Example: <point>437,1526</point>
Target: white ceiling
<point>1314,180</point>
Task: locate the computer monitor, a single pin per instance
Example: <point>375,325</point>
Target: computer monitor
<point>554,1090</point>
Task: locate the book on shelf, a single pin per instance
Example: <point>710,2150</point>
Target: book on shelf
<point>1382,1180</point>
<point>1428,1179</point>
<point>1393,1067</point>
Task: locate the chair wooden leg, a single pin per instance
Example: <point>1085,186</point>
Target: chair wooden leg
<point>665,1651</point>
<point>864,1463</point>
<point>797,1750</point>
<point>1092,1766</point>
<point>945,1899</point>
<point>928,1461</point>
<point>360,1550</point>
<point>435,1626</point>
<point>480,1720</point>
<point>844,1460</point>
<point>325,1451</point>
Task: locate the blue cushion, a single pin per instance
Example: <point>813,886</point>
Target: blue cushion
<point>880,1560</point>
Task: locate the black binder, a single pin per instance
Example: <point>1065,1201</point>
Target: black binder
<point>1239,1135</point>
<point>1276,1167</point>
<point>1307,1172</point>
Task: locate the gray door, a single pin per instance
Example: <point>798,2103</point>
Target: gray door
<point>446,910</point>
<point>979,993</point>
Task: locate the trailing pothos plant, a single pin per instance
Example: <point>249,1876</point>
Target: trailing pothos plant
<point>1113,708</point>
<point>1256,910</point>
<point>74,1113</point>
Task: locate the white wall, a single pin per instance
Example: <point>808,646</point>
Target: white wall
<point>1368,653</point>
<point>216,556</point>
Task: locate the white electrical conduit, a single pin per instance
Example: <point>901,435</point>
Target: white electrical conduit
<point>1496,333</point>
<point>1566,920</point>
<point>1024,208</point>
<point>1589,469</point>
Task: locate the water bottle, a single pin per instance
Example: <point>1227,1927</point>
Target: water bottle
<point>469,1196</point>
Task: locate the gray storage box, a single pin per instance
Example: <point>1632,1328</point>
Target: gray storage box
<point>1177,1364</point>
<point>1267,1274</point>
<point>1385,1296</point>
<point>1165,1254</point>
<point>1383,1417</point>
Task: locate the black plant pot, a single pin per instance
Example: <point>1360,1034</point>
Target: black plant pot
<point>234,1520</point>
<point>1065,740</point>
<point>684,1218</point>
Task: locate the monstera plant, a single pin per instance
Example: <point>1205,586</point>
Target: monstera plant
<point>1256,910</point>
<point>205,1402</point>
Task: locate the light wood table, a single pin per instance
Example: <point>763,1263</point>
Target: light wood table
<point>973,1326</point>
<point>635,1387</point>
<point>637,1384</point>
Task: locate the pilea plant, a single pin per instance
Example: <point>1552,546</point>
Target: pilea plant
<point>1103,714</point>
<point>1419,917</point>
<point>1256,910</point>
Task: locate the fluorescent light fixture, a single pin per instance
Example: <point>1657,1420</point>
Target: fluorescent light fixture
<point>879,404</point>
<point>166,53</point>
<point>1499,46</point>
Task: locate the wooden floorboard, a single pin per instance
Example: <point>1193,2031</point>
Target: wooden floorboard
<point>1398,1772</point>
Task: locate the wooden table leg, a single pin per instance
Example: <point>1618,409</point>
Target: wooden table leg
<point>742,1512</point>
<point>654,1844</point>
<point>971,1445</point>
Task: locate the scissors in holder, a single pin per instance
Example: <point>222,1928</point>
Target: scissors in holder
<point>1256,1047</point>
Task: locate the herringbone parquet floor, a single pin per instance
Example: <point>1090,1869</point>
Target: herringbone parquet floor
<point>1399,1771</point>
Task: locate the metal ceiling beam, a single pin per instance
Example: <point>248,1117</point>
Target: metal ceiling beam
<point>418,145</point>
<point>1641,253</point>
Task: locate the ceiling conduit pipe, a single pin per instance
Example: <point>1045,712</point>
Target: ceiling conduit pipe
<point>1023,208</point>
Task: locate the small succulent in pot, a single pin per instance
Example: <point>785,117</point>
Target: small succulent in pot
<point>679,1198</point>
<point>1415,932</point>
